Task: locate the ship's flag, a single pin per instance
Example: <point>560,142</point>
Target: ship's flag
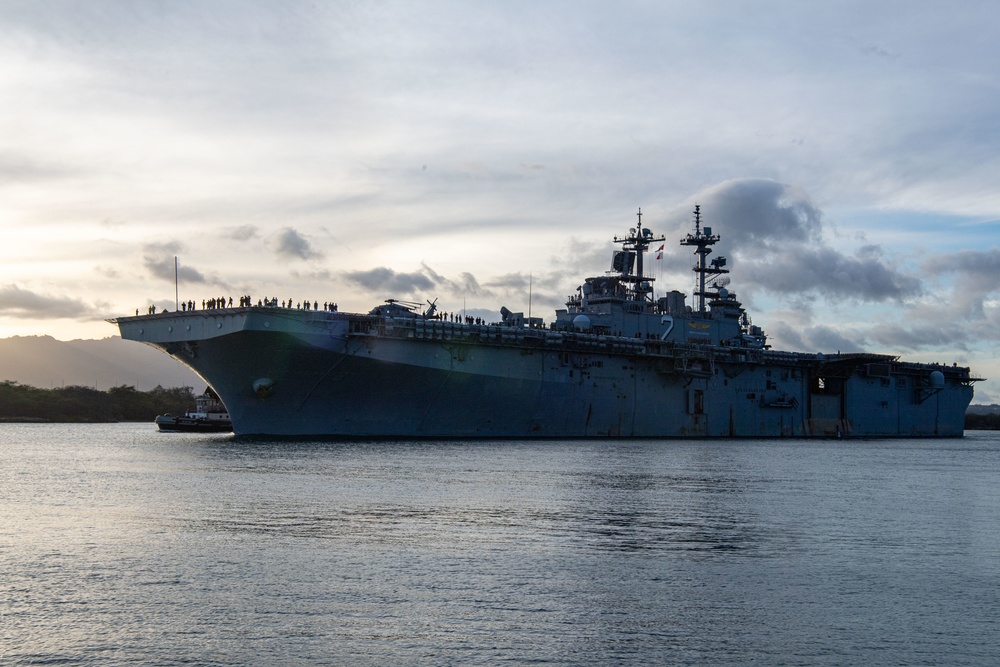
<point>659,255</point>
<point>660,249</point>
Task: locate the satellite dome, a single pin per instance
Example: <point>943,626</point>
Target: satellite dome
<point>581,323</point>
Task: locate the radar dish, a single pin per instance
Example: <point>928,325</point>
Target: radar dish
<point>720,282</point>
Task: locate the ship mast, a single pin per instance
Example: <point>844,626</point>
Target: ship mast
<point>702,239</point>
<point>637,243</point>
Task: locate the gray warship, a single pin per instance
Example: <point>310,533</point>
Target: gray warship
<point>618,361</point>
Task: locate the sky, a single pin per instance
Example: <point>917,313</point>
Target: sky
<point>485,154</point>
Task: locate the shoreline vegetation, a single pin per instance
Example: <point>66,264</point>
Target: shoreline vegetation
<point>982,421</point>
<point>77,404</point>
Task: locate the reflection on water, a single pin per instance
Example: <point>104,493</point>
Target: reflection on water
<point>617,497</point>
<point>121,545</point>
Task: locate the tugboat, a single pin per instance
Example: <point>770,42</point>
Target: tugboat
<point>209,416</point>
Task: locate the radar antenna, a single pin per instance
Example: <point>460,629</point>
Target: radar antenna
<point>702,239</point>
<point>633,247</point>
<point>720,282</point>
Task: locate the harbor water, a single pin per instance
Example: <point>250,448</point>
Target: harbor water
<point>120,545</point>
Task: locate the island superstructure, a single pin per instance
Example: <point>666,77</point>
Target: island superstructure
<point>618,361</point>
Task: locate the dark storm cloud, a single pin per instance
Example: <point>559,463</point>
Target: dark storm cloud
<point>775,235</point>
<point>753,211</point>
<point>289,243</point>
<point>22,303</point>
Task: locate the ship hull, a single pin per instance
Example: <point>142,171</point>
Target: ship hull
<point>307,373</point>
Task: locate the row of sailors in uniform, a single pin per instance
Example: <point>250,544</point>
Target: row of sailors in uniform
<point>246,302</point>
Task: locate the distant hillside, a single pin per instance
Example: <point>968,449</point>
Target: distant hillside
<point>44,362</point>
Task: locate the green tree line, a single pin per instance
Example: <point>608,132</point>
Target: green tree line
<point>982,422</point>
<point>19,402</point>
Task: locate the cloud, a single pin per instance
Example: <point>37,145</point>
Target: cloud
<point>977,266</point>
<point>818,338</point>
<point>465,285</point>
<point>289,243</point>
<point>825,271</point>
<point>21,303</point>
<point>108,272</point>
<point>510,281</point>
<point>754,211</point>
<point>387,281</point>
<point>915,337</point>
<point>878,51</point>
<point>831,339</point>
<point>242,233</point>
<point>165,247</point>
<point>163,268</point>
<point>775,233</point>
<point>320,275</point>
<point>981,263</point>
<point>788,337</point>
<point>568,268</point>
<point>977,276</point>
<point>383,279</point>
